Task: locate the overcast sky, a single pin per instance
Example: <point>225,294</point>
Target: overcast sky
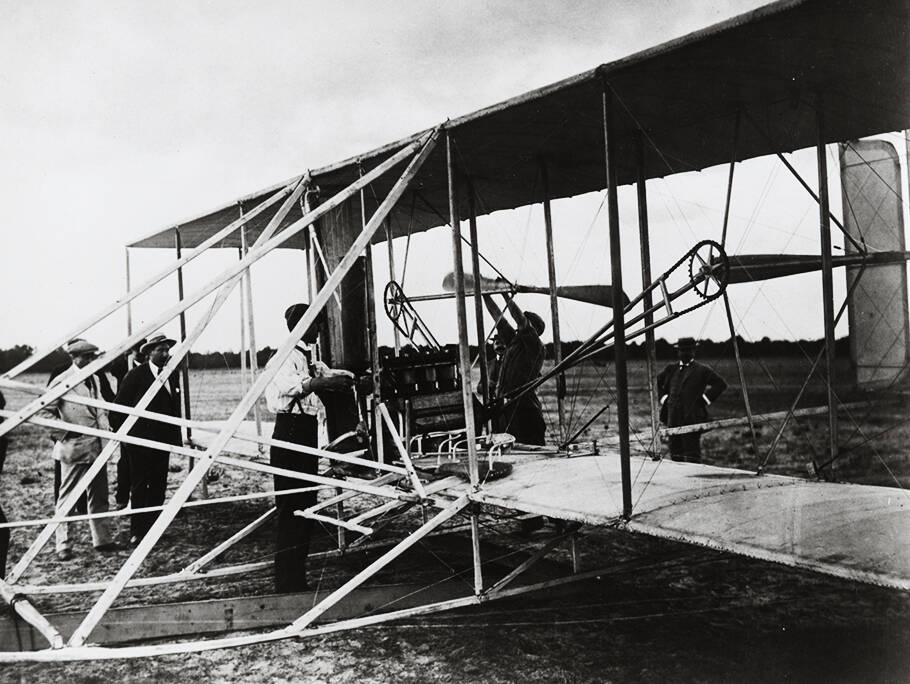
<point>121,118</point>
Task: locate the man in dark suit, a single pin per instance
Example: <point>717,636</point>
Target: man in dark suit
<point>119,367</point>
<point>148,467</point>
<point>686,389</point>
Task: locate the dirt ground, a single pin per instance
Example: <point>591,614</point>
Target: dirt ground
<point>660,611</point>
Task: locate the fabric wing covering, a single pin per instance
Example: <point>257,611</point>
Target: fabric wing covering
<point>774,66</point>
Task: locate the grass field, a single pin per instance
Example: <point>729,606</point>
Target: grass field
<point>667,612</point>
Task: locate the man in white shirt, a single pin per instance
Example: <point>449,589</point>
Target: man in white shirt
<point>292,395</point>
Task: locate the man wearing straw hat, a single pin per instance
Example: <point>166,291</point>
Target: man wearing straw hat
<point>77,451</point>
<point>292,396</point>
<point>148,466</point>
<point>686,389</point>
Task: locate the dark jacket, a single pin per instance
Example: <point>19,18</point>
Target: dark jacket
<point>134,386</point>
<point>685,389</point>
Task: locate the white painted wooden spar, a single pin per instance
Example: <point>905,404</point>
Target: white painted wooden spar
<point>132,293</point>
<point>857,532</point>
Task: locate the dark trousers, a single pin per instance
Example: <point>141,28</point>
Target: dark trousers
<point>524,422</point>
<point>686,447</point>
<point>148,483</point>
<point>122,495</point>
<point>292,542</point>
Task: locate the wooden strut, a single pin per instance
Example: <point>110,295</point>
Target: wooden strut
<point>554,300</point>
<point>129,305</point>
<point>464,353</point>
<point>827,278</point>
<point>317,248</point>
<point>373,338</point>
<point>406,459</point>
<point>478,303</point>
<point>231,541</point>
<point>645,252</point>
<point>247,324</point>
<point>619,324</point>
<point>185,368</point>
<point>425,145</point>
<point>391,249</point>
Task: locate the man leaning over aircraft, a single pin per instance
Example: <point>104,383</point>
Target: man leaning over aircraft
<point>292,395</point>
<point>521,362</point>
<point>686,389</point>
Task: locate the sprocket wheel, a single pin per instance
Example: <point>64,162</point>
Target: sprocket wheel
<point>393,297</point>
<point>708,269</point>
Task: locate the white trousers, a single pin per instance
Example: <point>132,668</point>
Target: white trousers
<point>70,474</point>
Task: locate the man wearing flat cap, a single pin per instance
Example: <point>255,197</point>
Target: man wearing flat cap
<point>521,361</point>
<point>148,466</point>
<point>292,395</point>
<point>686,389</point>
<point>76,451</point>
<point>104,389</point>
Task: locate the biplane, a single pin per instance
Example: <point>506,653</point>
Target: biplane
<point>788,76</point>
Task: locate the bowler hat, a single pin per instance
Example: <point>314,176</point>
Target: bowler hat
<point>156,340</point>
<point>81,348</point>
<point>686,343</point>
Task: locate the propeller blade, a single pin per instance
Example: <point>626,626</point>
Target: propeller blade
<point>747,268</point>
<point>601,295</point>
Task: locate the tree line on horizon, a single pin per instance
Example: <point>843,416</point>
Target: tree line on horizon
<point>213,360</point>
